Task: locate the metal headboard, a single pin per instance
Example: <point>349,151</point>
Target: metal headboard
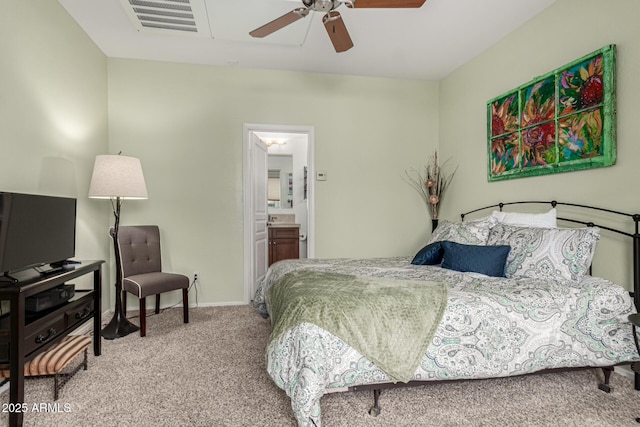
<point>634,236</point>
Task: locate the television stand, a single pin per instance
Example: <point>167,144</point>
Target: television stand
<point>22,338</point>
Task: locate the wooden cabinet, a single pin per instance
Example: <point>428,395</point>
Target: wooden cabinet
<point>284,243</point>
<point>23,336</point>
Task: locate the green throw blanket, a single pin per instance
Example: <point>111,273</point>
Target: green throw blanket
<point>390,322</point>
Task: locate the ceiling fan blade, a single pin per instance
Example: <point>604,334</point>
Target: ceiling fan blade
<point>386,3</point>
<point>278,23</point>
<point>337,31</point>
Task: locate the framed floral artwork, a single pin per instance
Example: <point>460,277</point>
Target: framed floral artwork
<point>560,122</point>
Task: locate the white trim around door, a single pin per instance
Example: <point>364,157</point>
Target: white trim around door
<point>248,195</point>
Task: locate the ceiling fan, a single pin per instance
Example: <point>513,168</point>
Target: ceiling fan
<point>332,20</point>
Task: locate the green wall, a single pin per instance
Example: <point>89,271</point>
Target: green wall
<point>53,113</point>
<point>185,123</point>
<point>567,30</point>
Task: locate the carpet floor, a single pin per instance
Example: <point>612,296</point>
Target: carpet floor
<point>211,372</point>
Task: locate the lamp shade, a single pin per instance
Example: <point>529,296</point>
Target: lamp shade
<point>116,176</point>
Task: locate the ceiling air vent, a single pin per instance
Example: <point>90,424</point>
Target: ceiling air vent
<point>188,17</point>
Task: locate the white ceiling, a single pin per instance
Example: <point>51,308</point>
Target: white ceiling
<point>425,44</point>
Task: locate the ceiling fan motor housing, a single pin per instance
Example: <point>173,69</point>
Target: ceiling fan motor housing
<point>321,5</point>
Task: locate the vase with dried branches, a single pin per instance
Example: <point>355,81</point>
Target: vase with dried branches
<point>431,182</point>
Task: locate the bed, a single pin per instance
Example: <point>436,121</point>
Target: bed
<point>506,294</point>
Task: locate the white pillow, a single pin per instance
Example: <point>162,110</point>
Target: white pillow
<point>542,220</point>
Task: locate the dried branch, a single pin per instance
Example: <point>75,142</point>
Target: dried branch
<point>431,182</point>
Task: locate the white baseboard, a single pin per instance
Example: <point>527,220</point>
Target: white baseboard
<point>625,371</point>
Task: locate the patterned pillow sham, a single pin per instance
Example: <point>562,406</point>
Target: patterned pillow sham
<point>465,232</point>
<point>561,254</point>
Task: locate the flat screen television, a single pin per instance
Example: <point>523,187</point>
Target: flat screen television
<point>35,231</point>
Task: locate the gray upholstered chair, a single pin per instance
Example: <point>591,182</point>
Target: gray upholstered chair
<point>142,273</point>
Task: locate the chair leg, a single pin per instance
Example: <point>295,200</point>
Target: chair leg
<point>143,317</point>
<point>157,303</point>
<point>185,304</point>
<point>123,296</point>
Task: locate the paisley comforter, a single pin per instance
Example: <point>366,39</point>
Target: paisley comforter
<point>491,327</point>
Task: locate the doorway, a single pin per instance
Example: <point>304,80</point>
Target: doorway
<point>288,147</point>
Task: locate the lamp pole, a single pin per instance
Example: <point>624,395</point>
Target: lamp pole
<point>116,178</point>
<point>119,326</point>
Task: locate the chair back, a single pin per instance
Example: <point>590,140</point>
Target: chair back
<point>139,247</point>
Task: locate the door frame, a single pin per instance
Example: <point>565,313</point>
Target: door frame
<point>247,193</point>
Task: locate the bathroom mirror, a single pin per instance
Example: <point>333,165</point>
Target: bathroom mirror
<point>280,181</point>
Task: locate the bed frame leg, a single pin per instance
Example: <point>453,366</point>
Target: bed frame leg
<point>607,376</point>
<point>374,411</point>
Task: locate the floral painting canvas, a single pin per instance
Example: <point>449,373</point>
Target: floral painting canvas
<point>559,122</point>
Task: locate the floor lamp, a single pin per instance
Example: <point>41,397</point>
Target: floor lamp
<point>117,178</point>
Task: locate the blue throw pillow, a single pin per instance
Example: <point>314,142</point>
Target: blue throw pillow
<point>429,255</point>
<point>489,260</point>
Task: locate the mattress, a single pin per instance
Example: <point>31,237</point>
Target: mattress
<point>491,327</point>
